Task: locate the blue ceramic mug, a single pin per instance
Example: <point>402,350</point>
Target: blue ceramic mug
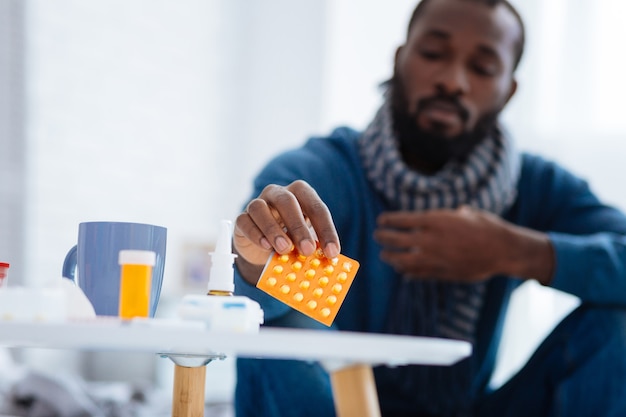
<point>93,262</point>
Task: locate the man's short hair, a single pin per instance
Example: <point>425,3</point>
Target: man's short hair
<point>519,46</point>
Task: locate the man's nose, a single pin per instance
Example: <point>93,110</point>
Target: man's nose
<point>453,80</point>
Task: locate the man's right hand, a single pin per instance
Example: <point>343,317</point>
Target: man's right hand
<point>279,219</point>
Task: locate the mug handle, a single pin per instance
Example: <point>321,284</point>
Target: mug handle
<point>69,264</point>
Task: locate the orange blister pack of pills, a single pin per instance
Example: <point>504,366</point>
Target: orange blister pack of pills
<point>314,285</point>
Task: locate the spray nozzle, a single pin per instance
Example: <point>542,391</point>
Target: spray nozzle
<point>221,277</point>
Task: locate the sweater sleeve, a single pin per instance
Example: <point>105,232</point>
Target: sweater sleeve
<point>591,267</point>
<point>588,236</point>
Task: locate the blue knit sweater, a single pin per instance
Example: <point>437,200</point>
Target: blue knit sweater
<point>589,237</point>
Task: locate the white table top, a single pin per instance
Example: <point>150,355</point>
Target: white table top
<point>190,338</point>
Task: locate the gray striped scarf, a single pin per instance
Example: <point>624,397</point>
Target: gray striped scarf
<point>486,180</point>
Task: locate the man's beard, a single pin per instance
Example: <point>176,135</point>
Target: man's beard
<point>430,150</point>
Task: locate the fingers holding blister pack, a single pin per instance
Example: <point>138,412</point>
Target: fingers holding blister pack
<point>314,285</point>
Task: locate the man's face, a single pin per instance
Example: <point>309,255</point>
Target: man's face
<point>456,69</point>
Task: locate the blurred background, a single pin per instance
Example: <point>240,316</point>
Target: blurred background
<point>162,111</point>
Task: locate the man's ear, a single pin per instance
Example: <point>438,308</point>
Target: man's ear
<point>397,56</point>
<point>512,90</point>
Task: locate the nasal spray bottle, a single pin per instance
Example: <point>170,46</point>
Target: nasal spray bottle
<point>220,309</point>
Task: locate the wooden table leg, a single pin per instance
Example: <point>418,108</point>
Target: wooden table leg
<point>354,392</point>
<point>188,399</point>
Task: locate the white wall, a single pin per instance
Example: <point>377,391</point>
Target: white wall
<point>120,102</point>
<point>361,42</point>
<point>160,112</point>
<point>12,134</point>
<point>270,85</point>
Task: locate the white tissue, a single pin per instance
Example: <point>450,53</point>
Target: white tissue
<point>59,302</point>
<point>32,304</point>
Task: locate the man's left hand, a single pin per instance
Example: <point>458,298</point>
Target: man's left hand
<point>465,244</point>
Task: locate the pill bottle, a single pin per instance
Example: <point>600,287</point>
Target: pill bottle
<point>135,282</point>
<point>4,273</point>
